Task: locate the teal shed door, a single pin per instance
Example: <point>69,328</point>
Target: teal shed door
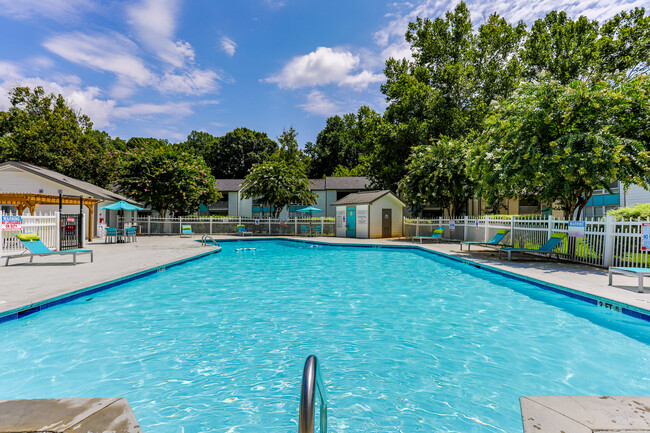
<point>351,222</point>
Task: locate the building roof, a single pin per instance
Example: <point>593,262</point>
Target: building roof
<point>329,183</point>
<point>85,187</point>
<point>229,185</point>
<point>364,197</point>
<point>349,182</point>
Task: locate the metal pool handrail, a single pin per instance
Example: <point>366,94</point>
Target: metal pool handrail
<point>204,240</point>
<point>312,382</point>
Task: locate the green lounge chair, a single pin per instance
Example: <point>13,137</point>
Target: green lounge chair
<point>494,242</point>
<point>634,272</point>
<point>36,247</point>
<point>436,235</point>
<point>555,240</point>
<point>186,231</point>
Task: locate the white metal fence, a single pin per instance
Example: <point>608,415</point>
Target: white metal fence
<point>322,226</point>
<point>46,226</point>
<point>606,242</point>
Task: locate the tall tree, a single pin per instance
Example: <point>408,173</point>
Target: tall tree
<point>437,174</point>
<point>43,130</point>
<point>166,178</point>
<point>559,143</point>
<point>233,155</point>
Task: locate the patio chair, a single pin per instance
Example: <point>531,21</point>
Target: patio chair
<point>436,235</point>
<point>241,230</point>
<point>110,233</point>
<point>304,230</point>
<point>36,247</point>
<point>186,231</point>
<point>631,271</point>
<point>130,234</point>
<point>494,242</point>
<point>547,249</point>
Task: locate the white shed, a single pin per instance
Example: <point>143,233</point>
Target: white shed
<point>369,214</point>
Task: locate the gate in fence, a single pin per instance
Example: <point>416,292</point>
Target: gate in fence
<point>71,231</point>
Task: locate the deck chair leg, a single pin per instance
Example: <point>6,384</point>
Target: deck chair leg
<point>509,255</point>
<point>31,259</point>
<point>74,259</point>
<point>610,277</point>
<point>7,262</point>
<point>91,257</point>
<point>640,290</point>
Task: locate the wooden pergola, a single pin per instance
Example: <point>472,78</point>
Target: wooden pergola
<point>31,201</point>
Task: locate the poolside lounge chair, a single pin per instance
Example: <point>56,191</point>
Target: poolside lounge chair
<point>36,247</point>
<point>186,231</point>
<point>241,230</point>
<point>436,235</point>
<point>494,242</point>
<point>555,240</point>
<point>634,272</point>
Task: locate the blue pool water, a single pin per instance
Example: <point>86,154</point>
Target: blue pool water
<point>408,342</point>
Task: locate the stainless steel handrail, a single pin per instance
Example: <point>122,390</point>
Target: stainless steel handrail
<point>312,383</point>
<point>204,240</point>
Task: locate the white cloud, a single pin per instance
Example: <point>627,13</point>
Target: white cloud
<point>228,45</point>
<point>176,109</point>
<point>154,21</point>
<point>318,103</point>
<point>52,9</point>
<point>195,82</point>
<point>321,67</point>
<point>112,53</point>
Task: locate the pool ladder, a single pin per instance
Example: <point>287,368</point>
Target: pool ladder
<point>312,383</point>
<point>206,238</point>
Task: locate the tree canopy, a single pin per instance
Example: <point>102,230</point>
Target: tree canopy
<point>43,130</point>
<point>166,178</point>
<point>559,143</point>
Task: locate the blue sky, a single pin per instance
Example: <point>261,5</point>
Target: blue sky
<point>162,68</point>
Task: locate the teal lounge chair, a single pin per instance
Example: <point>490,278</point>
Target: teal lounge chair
<point>494,242</point>
<point>36,247</point>
<point>555,240</point>
<point>436,235</point>
<point>634,272</point>
<point>131,234</point>
<point>241,230</point>
<point>186,231</point>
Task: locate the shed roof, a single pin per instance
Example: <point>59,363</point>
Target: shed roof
<point>229,185</point>
<point>80,185</point>
<point>365,197</point>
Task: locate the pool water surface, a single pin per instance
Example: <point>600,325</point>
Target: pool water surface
<point>407,341</point>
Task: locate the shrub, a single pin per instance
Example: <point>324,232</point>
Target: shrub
<point>639,211</point>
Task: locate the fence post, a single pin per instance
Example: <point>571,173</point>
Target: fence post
<point>610,225</point>
<point>180,224</point>
<point>210,224</point>
<point>2,241</point>
<point>550,226</point>
<point>417,226</point>
<point>487,226</point>
<point>512,230</point>
<point>57,229</point>
<point>440,221</point>
<point>269,225</point>
<point>295,226</point>
<point>465,223</point>
<point>149,225</point>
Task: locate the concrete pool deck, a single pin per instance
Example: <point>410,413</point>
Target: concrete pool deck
<point>23,285</point>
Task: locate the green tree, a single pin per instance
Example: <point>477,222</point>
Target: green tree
<point>167,179</point>
<point>566,49</point>
<point>276,183</point>
<point>559,143</point>
<point>43,130</point>
<point>437,173</point>
<point>233,155</point>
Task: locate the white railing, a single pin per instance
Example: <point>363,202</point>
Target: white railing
<point>607,242</point>
<point>259,226</point>
<point>45,225</point>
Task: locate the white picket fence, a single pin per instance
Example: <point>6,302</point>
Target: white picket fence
<point>606,242</point>
<point>260,226</point>
<point>44,225</point>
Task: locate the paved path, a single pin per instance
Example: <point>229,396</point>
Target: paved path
<point>23,284</point>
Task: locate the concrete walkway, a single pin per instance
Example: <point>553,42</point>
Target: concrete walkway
<point>23,284</point>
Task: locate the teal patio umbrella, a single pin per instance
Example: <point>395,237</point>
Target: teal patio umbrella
<point>311,210</point>
<point>121,206</point>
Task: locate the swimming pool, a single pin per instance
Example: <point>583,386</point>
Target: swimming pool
<point>408,341</point>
